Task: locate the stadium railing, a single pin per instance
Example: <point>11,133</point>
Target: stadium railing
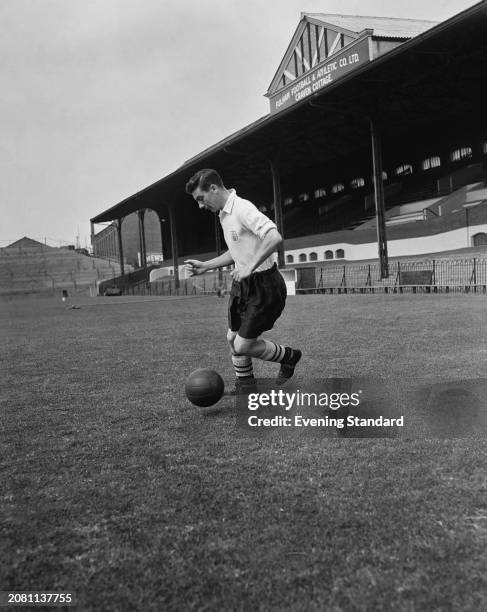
<point>439,275</point>
<point>423,276</point>
<point>210,283</point>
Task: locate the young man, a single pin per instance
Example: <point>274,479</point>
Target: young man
<point>258,293</point>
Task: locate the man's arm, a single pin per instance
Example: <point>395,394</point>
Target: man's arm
<point>196,267</point>
<point>268,245</point>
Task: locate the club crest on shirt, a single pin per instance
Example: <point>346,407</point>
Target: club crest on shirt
<point>234,236</point>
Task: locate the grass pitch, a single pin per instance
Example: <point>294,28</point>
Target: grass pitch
<point>116,489</point>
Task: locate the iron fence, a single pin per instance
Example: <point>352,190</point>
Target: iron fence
<point>208,284</point>
<point>443,275</point>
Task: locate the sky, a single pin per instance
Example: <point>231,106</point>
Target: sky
<point>101,98</point>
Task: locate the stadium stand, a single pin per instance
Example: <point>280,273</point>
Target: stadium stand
<point>376,105</point>
<point>28,266</point>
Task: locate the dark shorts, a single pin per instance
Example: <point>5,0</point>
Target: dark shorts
<point>256,302</point>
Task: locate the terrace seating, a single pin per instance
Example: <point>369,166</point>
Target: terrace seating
<point>36,268</point>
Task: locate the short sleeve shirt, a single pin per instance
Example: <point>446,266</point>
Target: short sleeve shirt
<point>244,228</point>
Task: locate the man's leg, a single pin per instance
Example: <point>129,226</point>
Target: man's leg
<point>265,301</point>
<point>269,351</point>
<point>242,364</point>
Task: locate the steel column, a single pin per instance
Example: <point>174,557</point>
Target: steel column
<point>279,217</point>
<point>120,245</point>
<point>143,252</point>
<point>174,244</point>
<point>379,201</point>
<point>162,220</point>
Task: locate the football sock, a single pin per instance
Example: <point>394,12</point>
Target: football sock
<point>243,366</point>
<point>275,352</point>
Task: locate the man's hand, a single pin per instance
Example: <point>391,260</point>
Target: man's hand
<point>195,267</point>
<point>245,272</point>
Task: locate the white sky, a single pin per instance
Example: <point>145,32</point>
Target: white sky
<point>100,98</point>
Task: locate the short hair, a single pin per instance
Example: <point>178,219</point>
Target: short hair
<point>204,179</point>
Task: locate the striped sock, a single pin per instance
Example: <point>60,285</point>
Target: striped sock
<point>243,366</point>
<point>275,352</point>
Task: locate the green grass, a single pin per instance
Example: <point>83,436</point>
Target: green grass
<point>115,488</point>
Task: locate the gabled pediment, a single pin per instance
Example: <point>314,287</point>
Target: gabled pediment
<point>313,42</point>
<point>320,36</point>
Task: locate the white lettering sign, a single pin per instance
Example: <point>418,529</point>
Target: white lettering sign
<point>322,76</point>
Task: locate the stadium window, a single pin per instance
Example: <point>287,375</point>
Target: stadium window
<point>484,147</point>
<point>313,256</point>
<point>404,170</point>
<point>356,183</point>
<point>321,193</point>
<point>288,201</point>
<point>302,257</point>
<point>303,197</point>
<point>338,187</point>
<point>289,259</point>
<point>328,254</point>
<point>339,253</point>
<point>461,153</point>
<point>431,162</point>
<point>479,239</point>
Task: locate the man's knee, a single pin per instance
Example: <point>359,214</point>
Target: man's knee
<point>243,346</point>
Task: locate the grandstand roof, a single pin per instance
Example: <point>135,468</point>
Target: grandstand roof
<point>386,27</point>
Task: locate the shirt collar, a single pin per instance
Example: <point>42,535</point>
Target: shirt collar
<point>230,201</point>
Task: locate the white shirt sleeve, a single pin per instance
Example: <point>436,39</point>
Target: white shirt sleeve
<point>255,221</point>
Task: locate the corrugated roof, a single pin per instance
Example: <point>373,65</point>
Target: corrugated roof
<point>387,27</point>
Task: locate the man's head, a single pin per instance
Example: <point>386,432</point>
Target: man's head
<point>207,188</point>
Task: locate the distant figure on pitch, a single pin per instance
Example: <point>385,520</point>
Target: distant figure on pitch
<point>258,292</point>
<point>220,290</point>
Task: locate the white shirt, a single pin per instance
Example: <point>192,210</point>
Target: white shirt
<point>244,228</point>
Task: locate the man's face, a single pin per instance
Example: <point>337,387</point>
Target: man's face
<point>207,199</point>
